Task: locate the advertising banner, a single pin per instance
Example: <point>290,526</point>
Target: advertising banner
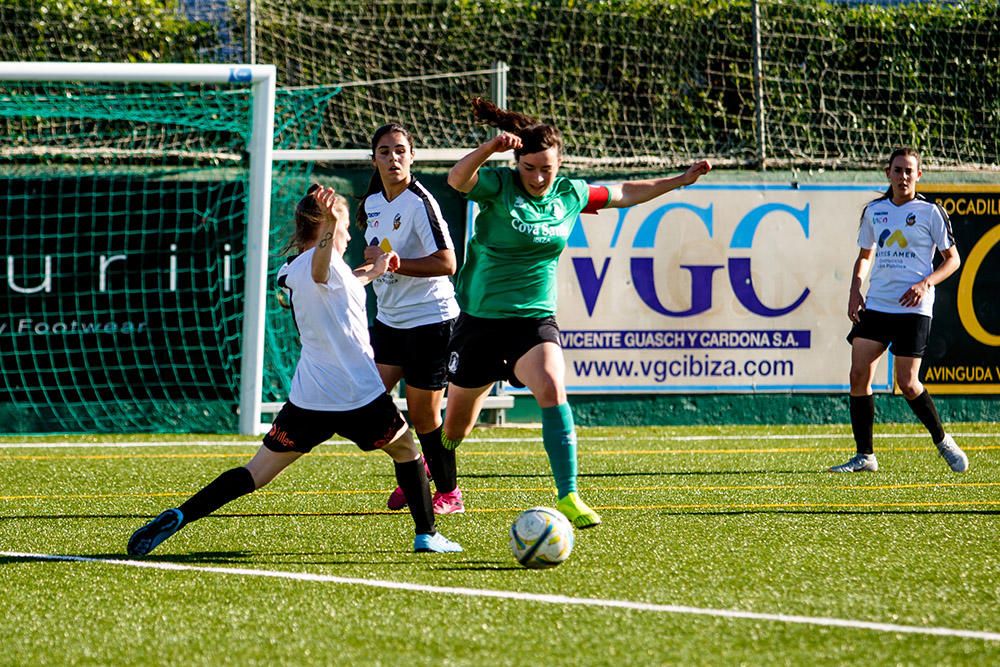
<point>120,288</point>
<point>963,355</point>
<point>714,288</point>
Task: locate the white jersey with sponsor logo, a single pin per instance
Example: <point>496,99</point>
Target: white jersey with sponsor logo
<point>411,225</point>
<point>336,371</point>
<point>904,239</point>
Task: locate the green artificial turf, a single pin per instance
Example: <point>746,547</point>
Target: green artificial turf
<point>698,522</point>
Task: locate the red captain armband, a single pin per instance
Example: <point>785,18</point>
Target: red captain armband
<point>597,198</point>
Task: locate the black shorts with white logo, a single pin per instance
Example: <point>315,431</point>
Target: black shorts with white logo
<point>905,334</point>
<point>484,350</point>
<point>422,352</point>
<point>371,426</point>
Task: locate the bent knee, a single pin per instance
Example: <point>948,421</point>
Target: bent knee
<point>910,389</point>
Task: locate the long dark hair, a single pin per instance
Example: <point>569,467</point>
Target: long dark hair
<point>535,135</point>
<point>904,151</point>
<point>375,182</point>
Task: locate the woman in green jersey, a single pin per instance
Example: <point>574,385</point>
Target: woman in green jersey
<point>507,285</point>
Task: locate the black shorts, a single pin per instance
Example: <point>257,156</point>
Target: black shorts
<point>371,426</point>
<point>484,350</point>
<point>422,352</point>
<point>905,334</point>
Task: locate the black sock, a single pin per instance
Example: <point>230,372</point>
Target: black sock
<point>441,461</point>
<point>923,408</point>
<point>863,422</point>
<point>227,487</point>
<point>412,478</point>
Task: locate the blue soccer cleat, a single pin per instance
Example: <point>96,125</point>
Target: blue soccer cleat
<point>435,544</point>
<point>153,533</point>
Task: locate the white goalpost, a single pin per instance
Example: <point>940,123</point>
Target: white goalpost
<point>261,80</point>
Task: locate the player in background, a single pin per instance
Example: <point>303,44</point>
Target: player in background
<point>899,234</point>
<point>336,387</point>
<point>416,302</point>
<point>507,285</point>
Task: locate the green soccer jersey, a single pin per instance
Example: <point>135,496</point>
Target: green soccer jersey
<point>510,261</point>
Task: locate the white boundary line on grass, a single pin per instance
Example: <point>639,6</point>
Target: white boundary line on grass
<point>667,438</point>
<point>530,597</point>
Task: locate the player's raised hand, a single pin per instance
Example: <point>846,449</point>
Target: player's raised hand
<point>505,141</point>
<point>326,198</point>
<point>696,171</point>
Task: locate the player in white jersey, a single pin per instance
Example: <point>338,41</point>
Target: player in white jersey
<point>416,303</point>
<point>336,388</point>
<point>899,235</point>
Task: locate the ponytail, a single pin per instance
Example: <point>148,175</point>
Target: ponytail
<point>307,221</point>
<point>487,113</point>
<point>374,185</point>
<point>309,218</point>
<point>535,135</point>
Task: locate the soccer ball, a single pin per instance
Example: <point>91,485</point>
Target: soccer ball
<point>541,537</point>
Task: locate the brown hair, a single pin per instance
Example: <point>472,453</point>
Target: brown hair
<point>308,218</point>
<point>535,135</point>
<point>904,151</point>
<point>375,182</point>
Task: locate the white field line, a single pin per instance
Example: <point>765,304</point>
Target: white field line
<point>532,597</point>
<point>647,438</point>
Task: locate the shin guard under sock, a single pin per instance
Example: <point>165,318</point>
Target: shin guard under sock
<point>923,408</point>
<point>412,478</point>
<point>441,461</point>
<point>225,488</point>
<point>863,422</point>
<point>559,438</point>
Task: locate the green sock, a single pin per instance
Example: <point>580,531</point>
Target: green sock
<point>448,443</point>
<point>559,438</point>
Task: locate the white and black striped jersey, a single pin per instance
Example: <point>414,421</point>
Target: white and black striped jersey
<point>904,239</point>
<point>336,370</point>
<point>412,225</point>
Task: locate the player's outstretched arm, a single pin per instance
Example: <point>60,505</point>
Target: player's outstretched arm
<point>631,193</point>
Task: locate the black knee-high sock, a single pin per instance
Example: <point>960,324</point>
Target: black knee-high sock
<point>412,478</point>
<point>441,461</point>
<point>863,422</point>
<point>227,487</point>
<point>923,408</point>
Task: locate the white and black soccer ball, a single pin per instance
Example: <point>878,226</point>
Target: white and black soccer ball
<point>541,537</point>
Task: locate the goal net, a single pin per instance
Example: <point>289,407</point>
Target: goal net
<point>136,201</point>
<point>658,84</point>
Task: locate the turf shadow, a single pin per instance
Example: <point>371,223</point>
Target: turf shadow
<point>479,566</point>
<point>833,511</point>
<point>40,517</point>
<point>639,473</point>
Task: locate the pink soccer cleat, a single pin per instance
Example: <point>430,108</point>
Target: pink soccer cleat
<point>449,503</point>
<point>397,499</point>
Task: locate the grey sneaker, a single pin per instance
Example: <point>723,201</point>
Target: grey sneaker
<point>860,463</point>
<point>951,453</point>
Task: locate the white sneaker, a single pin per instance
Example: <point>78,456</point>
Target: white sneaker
<point>860,463</point>
<point>951,453</point>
